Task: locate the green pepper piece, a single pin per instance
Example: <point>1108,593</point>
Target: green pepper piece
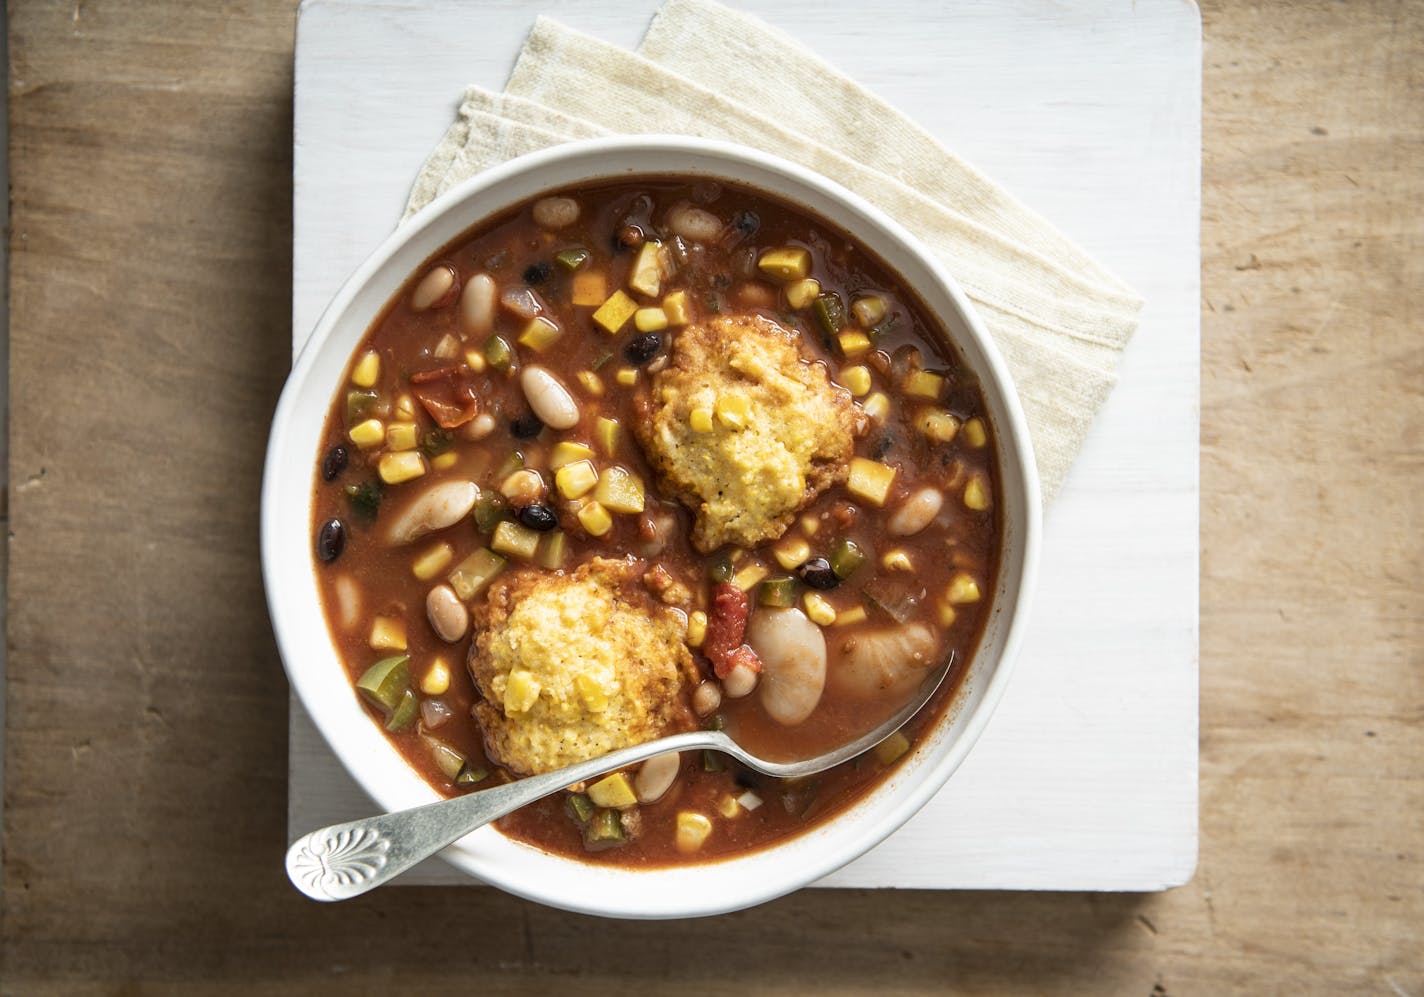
<point>579,806</point>
<point>436,441</point>
<point>512,463</point>
<point>404,713</point>
<point>602,359</point>
<point>359,401</point>
<point>490,510</point>
<point>830,314</point>
<point>712,761</point>
<point>777,592</point>
<point>498,353</point>
<point>846,556</point>
<point>365,499</point>
<point>471,774</point>
<point>385,681</point>
<point>720,567</point>
<point>571,259</point>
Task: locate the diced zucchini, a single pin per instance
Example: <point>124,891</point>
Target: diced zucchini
<point>786,264</point>
<point>498,353</point>
<point>646,275</point>
<point>576,479</point>
<point>433,561</point>
<point>777,592</point>
<point>853,343</point>
<point>677,309</point>
<point>846,557</point>
<point>552,550</point>
<point>387,634</point>
<point>540,334</point>
<point>490,510</point>
<point>360,404</point>
<point>405,712</point>
<point>620,490</point>
<point>604,830</point>
<point>572,259</point>
<point>605,434</point>
<point>613,791</point>
<point>923,384</point>
<point>589,289</point>
<point>830,314</point>
<point>385,681</point>
<point>567,451</point>
<point>870,480</point>
<point>515,539</point>
<point>579,807</point>
<point>475,572</point>
<point>449,761</point>
<point>650,320</point>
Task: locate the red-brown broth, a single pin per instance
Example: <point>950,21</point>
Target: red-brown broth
<point>505,247</point>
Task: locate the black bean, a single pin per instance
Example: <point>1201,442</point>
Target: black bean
<point>641,349</point>
<point>817,573</point>
<point>526,426</point>
<point>747,222</point>
<point>882,446</point>
<point>537,273</point>
<point>538,517</point>
<point>330,540</point>
<point>334,463</point>
<point>629,236</point>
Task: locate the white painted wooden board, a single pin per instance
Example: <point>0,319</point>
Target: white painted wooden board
<point>1090,113</point>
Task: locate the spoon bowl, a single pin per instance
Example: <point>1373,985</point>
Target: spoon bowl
<point>346,860</point>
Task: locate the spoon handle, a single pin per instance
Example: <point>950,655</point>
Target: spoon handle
<point>345,860</point>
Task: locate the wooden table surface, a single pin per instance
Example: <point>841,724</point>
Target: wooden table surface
<point>145,751</point>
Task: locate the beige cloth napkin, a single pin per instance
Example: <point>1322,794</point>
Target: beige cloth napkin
<point>1060,319</point>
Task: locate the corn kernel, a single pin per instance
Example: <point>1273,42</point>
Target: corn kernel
<point>892,748</point>
<point>402,436</point>
<point>436,681</point>
<point>923,384</point>
<point>595,519</point>
<point>801,293</point>
<point>791,553</point>
<point>728,806</point>
<point>566,452</point>
<point>856,614</point>
<point>693,830</point>
<point>605,433</point>
<point>947,615</point>
<point>696,628</point>
<point>595,699</point>
<point>937,424</point>
<point>749,576</point>
<point>870,480</point>
<point>676,309</point>
<point>897,560</point>
<point>749,365</point>
<point>540,334</point>
<point>387,634</point>
<point>521,692</point>
<point>475,360</point>
<point>810,524</point>
<point>615,312</point>
<point>700,419</point>
<point>786,264</point>
<point>405,408</point>
<point>976,493</point>
<point>576,479</point>
<point>368,434</point>
<point>963,589</point>
<point>590,382</point>
<point>397,467</point>
<point>590,288</point>
<point>974,433</point>
<point>620,490</point>
<point>853,343</point>
<point>877,406</point>
<point>650,320</point>
<point>869,311</point>
<point>514,539</point>
<point>627,376</point>
<point>856,380</point>
<point>733,411</point>
<point>820,611</point>
<point>432,562</point>
<point>445,461</point>
<point>614,791</point>
<point>367,370</point>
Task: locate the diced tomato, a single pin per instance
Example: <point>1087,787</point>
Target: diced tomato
<point>726,631</point>
<point>448,394</point>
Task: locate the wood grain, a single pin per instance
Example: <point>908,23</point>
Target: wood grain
<point>143,823</point>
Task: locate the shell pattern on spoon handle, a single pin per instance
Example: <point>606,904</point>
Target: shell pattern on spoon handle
<point>346,860</point>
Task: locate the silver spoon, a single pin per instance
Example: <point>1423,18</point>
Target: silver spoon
<point>346,860</point>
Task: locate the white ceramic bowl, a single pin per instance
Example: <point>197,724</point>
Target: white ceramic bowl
<point>327,693</point>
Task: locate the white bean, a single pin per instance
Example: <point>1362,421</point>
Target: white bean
<point>890,660</point>
<point>479,427</point>
<point>477,302</point>
<point>706,698</point>
<point>792,650</point>
<point>441,505</point>
<point>448,616</point>
<point>548,397</point>
<point>555,212</point>
<point>348,602</point>
<point>656,776</point>
<point>916,512</point>
<point>740,681</point>
<point>694,224</point>
<point>433,286</point>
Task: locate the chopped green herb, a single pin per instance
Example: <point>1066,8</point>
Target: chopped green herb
<point>572,259</point>
<point>436,441</point>
<point>365,498</point>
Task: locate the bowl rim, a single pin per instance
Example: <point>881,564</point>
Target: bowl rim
<point>496,864</point>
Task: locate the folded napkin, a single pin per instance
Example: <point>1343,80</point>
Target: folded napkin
<point>1060,319</point>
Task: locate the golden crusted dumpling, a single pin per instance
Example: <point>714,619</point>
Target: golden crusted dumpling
<point>576,665</point>
<point>744,429</point>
